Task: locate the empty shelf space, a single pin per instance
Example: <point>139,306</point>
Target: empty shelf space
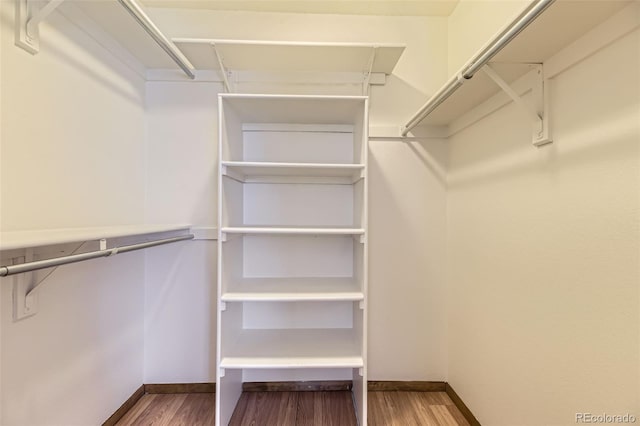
<point>286,230</point>
<point>291,172</point>
<point>294,348</point>
<point>293,289</point>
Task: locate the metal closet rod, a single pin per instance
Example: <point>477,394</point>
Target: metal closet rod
<point>479,60</point>
<point>138,14</point>
<point>64,260</point>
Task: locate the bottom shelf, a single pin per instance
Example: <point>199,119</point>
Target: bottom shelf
<point>294,348</point>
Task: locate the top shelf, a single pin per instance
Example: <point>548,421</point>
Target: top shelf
<point>38,238</point>
<point>282,56</point>
<point>559,25</point>
<point>118,24</point>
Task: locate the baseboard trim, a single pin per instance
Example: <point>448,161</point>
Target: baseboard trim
<point>124,408</point>
<point>311,386</point>
<point>461,406</point>
<point>315,386</point>
<point>180,388</point>
<point>411,386</point>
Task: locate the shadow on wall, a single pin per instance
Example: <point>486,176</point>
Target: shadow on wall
<point>394,103</point>
<point>510,154</point>
<point>407,221</point>
<point>180,314</point>
<point>124,87</point>
<point>81,341</point>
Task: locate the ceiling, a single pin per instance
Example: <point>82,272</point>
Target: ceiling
<point>339,7</point>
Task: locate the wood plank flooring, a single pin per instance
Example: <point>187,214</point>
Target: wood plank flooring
<point>172,409</point>
<point>334,408</point>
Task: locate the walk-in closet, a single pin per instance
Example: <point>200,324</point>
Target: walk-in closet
<point>352,212</point>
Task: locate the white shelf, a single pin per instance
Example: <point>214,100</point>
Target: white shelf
<point>284,230</point>
<point>293,290</point>
<point>120,31</point>
<point>257,171</point>
<point>283,56</point>
<point>43,237</point>
<point>295,109</point>
<point>294,348</point>
<point>562,23</point>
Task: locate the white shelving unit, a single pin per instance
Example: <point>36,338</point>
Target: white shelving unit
<point>292,247</point>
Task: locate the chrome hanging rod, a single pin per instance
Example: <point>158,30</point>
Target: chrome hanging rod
<point>64,260</point>
<point>138,14</point>
<point>479,60</point>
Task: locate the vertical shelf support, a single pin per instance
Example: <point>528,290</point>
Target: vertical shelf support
<point>539,113</point>
<point>367,80</point>
<point>25,302</point>
<point>223,70</point>
<point>28,23</point>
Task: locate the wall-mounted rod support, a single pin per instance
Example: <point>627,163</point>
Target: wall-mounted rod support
<point>479,60</point>
<point>28,20</point>
<point>40,16</point>
<point>138,14</point>
<point>48,263</point>
<point>493,75</point>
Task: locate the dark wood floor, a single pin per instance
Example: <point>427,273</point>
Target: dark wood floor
<point>297,409</point>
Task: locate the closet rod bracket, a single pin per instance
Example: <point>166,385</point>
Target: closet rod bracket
<point>28,19</point>
<point>539,112</point>
<point>26,282</point>
<point>25,302</point>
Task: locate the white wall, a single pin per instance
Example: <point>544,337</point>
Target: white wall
<point>180,314</point>
<point>406,231</point>
<point>72,155</point>
<point>543,252</point>
<point>407,306</point>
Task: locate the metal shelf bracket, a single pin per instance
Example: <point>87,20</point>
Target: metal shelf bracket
<point>25,302</point>
<point>539,112</point>
<point>223,69</point>
<point>367,73</point>
<point>28,19</point>
<point>27,281</point>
